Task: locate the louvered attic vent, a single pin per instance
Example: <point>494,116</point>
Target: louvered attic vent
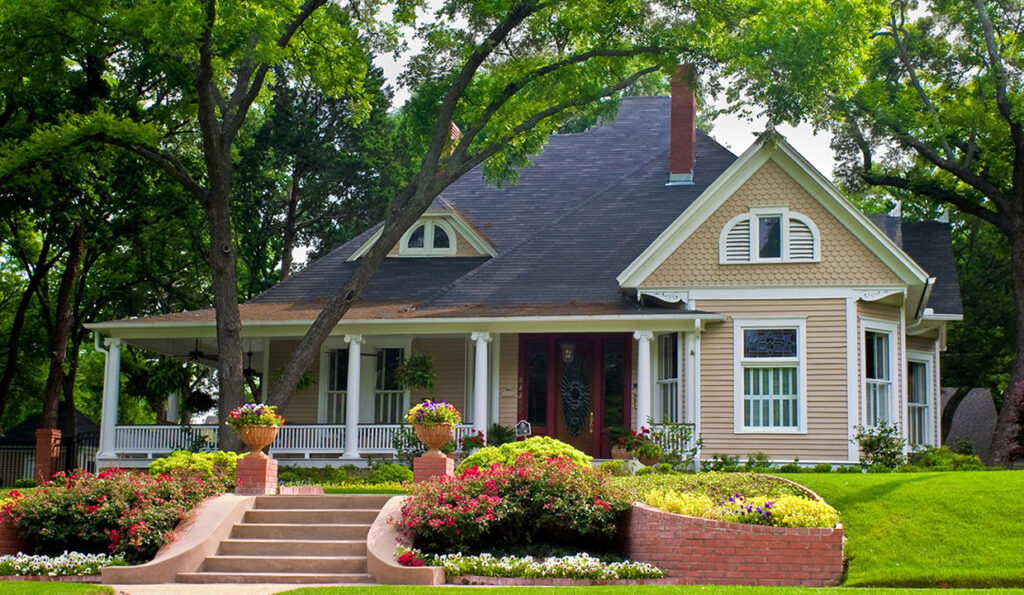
<point>769,236</point>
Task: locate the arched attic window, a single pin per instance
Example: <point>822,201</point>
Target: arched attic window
<point>428,238</point>
<point>769,235</point>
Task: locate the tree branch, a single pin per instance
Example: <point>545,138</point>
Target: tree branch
<point>939,193</point>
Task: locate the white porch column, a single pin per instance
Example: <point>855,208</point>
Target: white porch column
<point>643,377</point>
<point>352,397</point>
<point>480,382</point>
<point>111,394</point>
<point>173,413</point>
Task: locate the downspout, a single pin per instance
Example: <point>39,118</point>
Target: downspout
<point>96,344</point>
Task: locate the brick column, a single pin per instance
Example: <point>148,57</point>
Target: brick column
<point>47,453</point>
<point>256,474</point>
<point>425,468</point>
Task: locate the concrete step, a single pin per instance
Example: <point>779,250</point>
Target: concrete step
<point>274,577</point>
<point>318,516</point>
<point>296,547</point>
<point>329,501</point>
<point>299,531</point>
<point>289,564</point>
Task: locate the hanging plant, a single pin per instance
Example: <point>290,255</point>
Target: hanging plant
<point>416,372</point>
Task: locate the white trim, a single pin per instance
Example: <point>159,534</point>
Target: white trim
<point>265,381</point>
<point>788,292</point>
<point>885,327</point>
<point>429,232</point>
<point>455,223</point>
<point>937,410</point>
<point>321,406</point>
<point>696,389</point>
<point>495,373</point>
<point>783,154</point>
<point>799,362</point>
<point>923,357</point>
<point>754,240</point>
<point>902,391</point>
<point>852,379</point>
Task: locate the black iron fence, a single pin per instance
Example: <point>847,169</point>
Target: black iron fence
<point>17,460</point>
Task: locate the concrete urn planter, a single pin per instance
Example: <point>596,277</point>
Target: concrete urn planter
<point>434,437</point>
<point>257,438</point>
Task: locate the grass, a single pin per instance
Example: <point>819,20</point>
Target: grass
<point>624,590</point>
<point>54,588</point>
<point>962,529</point>
<point>362,489</point>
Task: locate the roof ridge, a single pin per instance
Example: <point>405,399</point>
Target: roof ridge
<point>572,211</point>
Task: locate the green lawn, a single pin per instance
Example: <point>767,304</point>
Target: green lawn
<point>630,590</point>
<point>55,588</point>
<point>962,529</point>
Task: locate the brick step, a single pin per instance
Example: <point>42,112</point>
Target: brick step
<point>321,501</point>
<point>274,577</point>
<point>299,531</point>
<point>319,516</point>
<point>289,564</point>
<point>296,547</point>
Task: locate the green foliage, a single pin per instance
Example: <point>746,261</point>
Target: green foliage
<point>850,469</point>
<point>296,475</point>
<point>416,372</point>
<point>720,462</point>
<point>218,466</point>
<point>390,474</point>
<point>793,467</point>
<point>757,462</point>
<point>648,450</point>
<point>549,500</point>
<point>540,447</point>
<point>822,468</point>
<point>673,436</point>
<point>881,446</point>
<point>618,468</point>
<point>25,482</point>
<point>944,459</point>
<point>717,486</point>
<point>117,512</point>
<point>498,434</point>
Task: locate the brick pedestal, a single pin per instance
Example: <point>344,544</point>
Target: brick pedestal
<point>256,475</point>
<point>424,468</point>
<point>47,454</point>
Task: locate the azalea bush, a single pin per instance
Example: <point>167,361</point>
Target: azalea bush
<point>532,500</point>
<point>541,447</point>
<point>66,564</point>
<point>782,511</point>
<point>254,414</point>
<point>432,413</point>
<point>117,512</point>
<point>579,566</point>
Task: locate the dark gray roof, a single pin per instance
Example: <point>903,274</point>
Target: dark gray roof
<point>588,206</point>
<point>930,245</point>
<point>25,432</point>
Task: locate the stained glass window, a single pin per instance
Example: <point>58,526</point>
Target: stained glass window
<point>769,342</point>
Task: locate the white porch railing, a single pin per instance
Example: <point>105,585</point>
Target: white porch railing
<point>306,439</point>
<point>674,443</point>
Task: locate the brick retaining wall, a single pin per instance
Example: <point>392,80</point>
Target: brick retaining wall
<point>706,551</point>
<point>11,542</point>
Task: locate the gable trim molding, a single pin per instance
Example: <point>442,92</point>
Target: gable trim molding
<point>804,174</point>
<point>450,216</point>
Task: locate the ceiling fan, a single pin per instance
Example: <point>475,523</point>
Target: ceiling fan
<point>197,354</point>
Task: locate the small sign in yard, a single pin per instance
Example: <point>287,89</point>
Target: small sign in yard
<point>523,428</point>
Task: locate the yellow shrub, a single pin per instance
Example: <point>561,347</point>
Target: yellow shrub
<point>687,503</point>
<point>790,511</point>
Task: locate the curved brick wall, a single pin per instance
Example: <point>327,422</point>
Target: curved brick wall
<point>704,551</point>
<point>11,542</point>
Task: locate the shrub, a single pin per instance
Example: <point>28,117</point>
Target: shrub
<point>66,564</point>
<point>665,469</point>
<point>26,482</point>
<point>717,486</point>
<point>880,446</point>
<point>475,440</point>
<point>688,503</point>
<point>719,462</point>
<point>778,511</point>
<point>849,469</point>
<point>645,471</point>
<point>541,447</point>
<point>498,434</point>
<point>617,468</point>
<point>219,466</point>
<point>549,500</point>
<point>390,474</point>
<point>944,459</point>
<point>822,468</point>
<point>963,446</point>
<point>116,511</point>
<point>758,462</point>
<point>793,467</point>
<point>648,450</point>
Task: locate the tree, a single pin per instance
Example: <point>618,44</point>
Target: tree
<point>938,117</point>
<point>507,73</point>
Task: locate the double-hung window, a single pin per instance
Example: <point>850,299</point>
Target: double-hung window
<point>879,353</point>
<point>770,377</point>
<point>337,385</point>
<point>668,378</point>
<point>918,409</point>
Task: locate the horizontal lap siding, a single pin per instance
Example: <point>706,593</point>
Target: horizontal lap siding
<point>921,344</point>
<point>302,407</point>
<point>508,380</point>
<point>826,436</point>
<point>449,355</point>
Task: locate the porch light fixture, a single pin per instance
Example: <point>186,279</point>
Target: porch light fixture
<point>249,371</point>
<point>568,351</point>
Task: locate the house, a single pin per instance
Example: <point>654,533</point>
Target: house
<point>638,269</point>
<point>18,446</point>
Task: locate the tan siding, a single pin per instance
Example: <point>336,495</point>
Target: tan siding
<point>844,259</point>
<point>302,407</point>
<point>508,380</point>
<point>449,355</point>
<point>826,436</point>
<point>916,343</point>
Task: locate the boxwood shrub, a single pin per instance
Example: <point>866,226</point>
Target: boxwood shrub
<point>541,447</point>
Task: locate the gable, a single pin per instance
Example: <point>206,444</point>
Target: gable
<point>461,238</point>
<point>844,259</point>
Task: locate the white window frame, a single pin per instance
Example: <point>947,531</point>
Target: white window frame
<point>884,327</point>
<point>753,255</point>
<point>663,383</point>
<point>925,358</point>
<point>740,363</point>
<point>330,345</point>
<point>428,249</point>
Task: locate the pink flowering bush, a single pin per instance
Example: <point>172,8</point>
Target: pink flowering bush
<point>550,501</point>
<point>116,512</point>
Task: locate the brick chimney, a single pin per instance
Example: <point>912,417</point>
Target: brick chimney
<point>683,132</point>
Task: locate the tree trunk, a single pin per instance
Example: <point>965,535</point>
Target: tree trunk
<point>290,223</point>
<point>64,318</point>
<point>70,438</point>
<point>1005,440</point>
<point>34,279</point>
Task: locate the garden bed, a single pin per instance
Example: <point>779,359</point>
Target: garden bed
<point>93,579</point>
<point>495,581</point>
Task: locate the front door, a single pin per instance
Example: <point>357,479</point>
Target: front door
<point>575,387</point>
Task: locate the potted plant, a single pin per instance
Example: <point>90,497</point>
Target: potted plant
<point>617,437</point>
<point>416,372</point>
<point>471,442</point>
<point>432,421</point>
<point>648,453</point>
<point>256,424</point>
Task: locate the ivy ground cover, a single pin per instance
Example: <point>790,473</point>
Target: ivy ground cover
<point>963,529</point>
